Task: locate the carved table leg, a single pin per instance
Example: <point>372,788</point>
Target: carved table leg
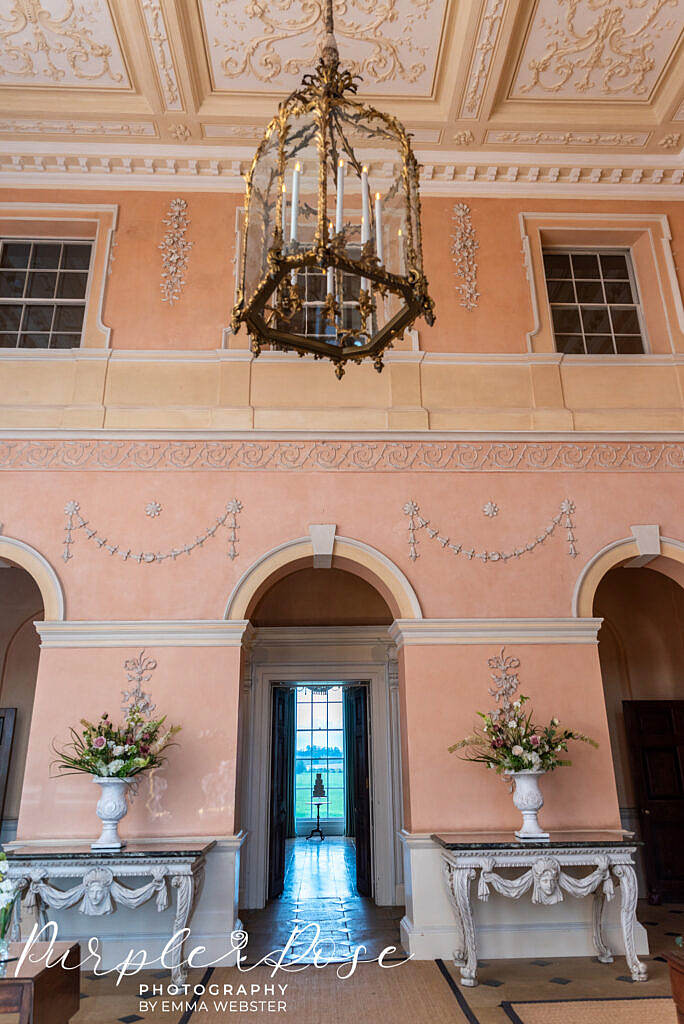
<point>185,884</point>
<point>628,901</point>
<point>605,955</point>
<point>458,889</point>
<point>15,919</point>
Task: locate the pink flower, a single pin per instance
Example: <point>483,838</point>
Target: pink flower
<point>99,742</point>
<point>534,740</point>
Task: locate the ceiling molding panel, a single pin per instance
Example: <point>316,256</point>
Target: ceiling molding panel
<point>564,90</point>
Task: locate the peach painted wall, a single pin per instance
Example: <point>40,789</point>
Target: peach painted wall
<point>279,506</point>
<point>194,794</point>
<point>140,320</point>
<point>441,687</point>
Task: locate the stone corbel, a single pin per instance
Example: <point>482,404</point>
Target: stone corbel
<point>648,542</point>
<point>322,541</point>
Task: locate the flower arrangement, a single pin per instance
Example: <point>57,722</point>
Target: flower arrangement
<point>509,741</point>
<point>116,751</point>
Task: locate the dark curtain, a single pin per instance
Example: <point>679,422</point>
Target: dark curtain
<point>290,760</point>
<point>349,766</point>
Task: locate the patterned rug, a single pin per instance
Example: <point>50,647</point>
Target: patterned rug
<point>648,1010</point>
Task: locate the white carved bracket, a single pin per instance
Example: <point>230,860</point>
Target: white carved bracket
<point>322,541</point>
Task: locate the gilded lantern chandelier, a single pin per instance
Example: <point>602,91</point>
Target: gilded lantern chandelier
<point>329,266</point>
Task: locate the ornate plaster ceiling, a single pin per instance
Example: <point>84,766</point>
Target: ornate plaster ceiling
<point>481,83</point>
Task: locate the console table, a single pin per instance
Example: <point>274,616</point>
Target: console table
<point>97,887</point>
<point>467,857</point>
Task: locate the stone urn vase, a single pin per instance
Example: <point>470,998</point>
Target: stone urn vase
<point>676,962</point>
<point>527,797</point>
<point>111,808</point>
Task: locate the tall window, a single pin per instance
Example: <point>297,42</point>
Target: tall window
<point>43,287</point>
<point>594,302</point>
<point>319,747</point>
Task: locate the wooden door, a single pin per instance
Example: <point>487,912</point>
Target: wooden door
<point>362,811</point>
<point>282,774</point>
<point>7,719</point>
<point>655,733</point>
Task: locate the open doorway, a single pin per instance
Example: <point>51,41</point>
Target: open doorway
<point>320,791</point>
<point>641,649</point>
<point>21,605</point>
<point>321,699</point>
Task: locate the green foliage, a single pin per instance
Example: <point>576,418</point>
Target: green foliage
<point>115,751</point>
<point>509,741</point>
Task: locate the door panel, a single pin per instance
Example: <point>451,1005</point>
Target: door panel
<point>282,777</point>
<point>655,732</point>
<point>362,812</point>
<point>7,719</point>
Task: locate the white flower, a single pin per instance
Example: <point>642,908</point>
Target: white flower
<point>516,703</point>
<point>517,750</point>
<point>114,766</point>
<point>118,751</point>
<point>554,721</point>
<point>512,724</point>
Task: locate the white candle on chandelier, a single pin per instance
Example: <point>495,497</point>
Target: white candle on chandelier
<point>402,254</point>
<point>283,212</point>
<point>378,227</point>
<point>295,202</point>
<point>340,196</point>
<point>295,212</point>
<point>331,270</point>
<point>365,206</point>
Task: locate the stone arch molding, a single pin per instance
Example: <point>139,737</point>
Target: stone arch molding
<point>324,549</point>
<point>644,547</point>
<point>37,566</point>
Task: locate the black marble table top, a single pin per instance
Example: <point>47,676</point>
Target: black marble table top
<point>131,852</point>
<point>557,841</point>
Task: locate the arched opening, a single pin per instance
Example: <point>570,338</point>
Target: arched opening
<point>320,706</point>
<point>641,650</point>
<point>21,604</point>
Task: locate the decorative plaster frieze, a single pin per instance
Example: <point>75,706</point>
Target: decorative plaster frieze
<point>584,49</point>
<point>173,633</point>
<point>670,141</point>
<point>381,456</point>
<point>562,518</point>
<point>387,43</point>
<point>43,126</point>
<point>463,248</point>
<point>75,521</point>
<point>74,46</point>
<point>175,249</point>
<point>483,52</point>
<point>162,54</point>
<point>559,138</point>
<point>180,132</point>
<point>412,632</point>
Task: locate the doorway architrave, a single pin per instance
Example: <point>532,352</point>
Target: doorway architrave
<point>309,654</point>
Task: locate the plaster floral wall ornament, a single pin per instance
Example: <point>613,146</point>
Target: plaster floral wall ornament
<point>464,138</point>
<point>563,519</point>
<point>175,249</point>
<point>75,521</point>
<point>490,509</point>
<point>463,250</point>
<point>670,141</point>
<point>180,132</point>
<point>152,509</point>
